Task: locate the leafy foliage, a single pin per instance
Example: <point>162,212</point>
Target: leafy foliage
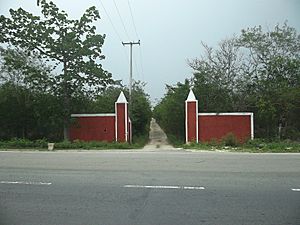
<point>42,144</point>
<point>28,114</point>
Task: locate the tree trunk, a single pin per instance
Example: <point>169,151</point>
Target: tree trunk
<point>279,131</point>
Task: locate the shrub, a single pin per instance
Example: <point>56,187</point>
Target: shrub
<point>230,140</point>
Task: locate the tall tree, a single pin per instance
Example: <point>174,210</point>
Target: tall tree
<point>217,75</point>
<point>72,45</point>
<point>272,76</point>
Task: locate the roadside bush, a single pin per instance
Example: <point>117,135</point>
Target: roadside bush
<point>77,144</point>
<point>24,143</point>
<point>262,145</point>
<point>175,140</point>
<point>230,140</point>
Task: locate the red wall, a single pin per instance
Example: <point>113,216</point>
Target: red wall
<point>95,128</point>
<point>217,126</point>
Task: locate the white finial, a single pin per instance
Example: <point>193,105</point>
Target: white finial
<point>121,98</point>
<point>191,96</point>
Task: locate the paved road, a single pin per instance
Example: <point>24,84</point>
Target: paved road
<point>166,187</point>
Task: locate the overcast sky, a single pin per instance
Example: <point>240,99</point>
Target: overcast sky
<point>170,31</point>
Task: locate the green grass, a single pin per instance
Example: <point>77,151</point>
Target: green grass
<point>175,141</point>
<point>255,146</point>
<point>42,144</point>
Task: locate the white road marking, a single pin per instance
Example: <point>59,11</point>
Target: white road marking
<point>163,187</point>
<point>194,188</point>
<point>295,189</point>
<point>24,182</point>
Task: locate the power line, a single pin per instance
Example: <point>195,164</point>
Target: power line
<point>130,9</point>
<point>141,63</point>
<point>136,67</point>
<point>136,33</point>
<point>121,19</point>
<point>113,26</point>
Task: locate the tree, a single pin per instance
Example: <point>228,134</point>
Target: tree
<point>141,109</point>
<point>15,110</point>
<point>272,78</point>
<point>71,45</point>
<point>27,113</point>
<point>217,75</point>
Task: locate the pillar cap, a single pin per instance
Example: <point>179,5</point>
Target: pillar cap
<point>121,98</point>
<point>191,96</point>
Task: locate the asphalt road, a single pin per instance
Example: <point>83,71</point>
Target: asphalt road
<point>167,187</point>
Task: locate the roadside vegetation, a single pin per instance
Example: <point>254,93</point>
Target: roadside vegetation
<point>42,145</point>
<point>255,146</point>
<point>256,71</point>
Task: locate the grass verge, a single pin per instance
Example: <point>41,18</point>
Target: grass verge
<point>255,146</point>
<point>42,144</point>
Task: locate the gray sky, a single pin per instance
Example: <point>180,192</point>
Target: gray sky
<point>170,31</point>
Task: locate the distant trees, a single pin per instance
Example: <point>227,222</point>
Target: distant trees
<point>256,71</point>
<point>169,113</point>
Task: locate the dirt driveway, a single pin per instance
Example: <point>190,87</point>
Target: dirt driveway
<point>157,137</point>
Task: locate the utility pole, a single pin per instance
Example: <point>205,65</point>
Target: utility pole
<point>130,71</point>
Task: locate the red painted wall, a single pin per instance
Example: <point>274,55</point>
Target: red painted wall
<point>96,128</point>
<point>121,134</point>
<point>217,126</point>
<point>191,121</point>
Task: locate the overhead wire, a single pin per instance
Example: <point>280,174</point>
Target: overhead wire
<point>126,32</point>
<point>110,20</point>
<point>124,27</point>
<point>130,9</point>
<point>136,33</point>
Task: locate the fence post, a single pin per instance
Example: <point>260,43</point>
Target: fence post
<point>121,126</point>
<point>191,118</point>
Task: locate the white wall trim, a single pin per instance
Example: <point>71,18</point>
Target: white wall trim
<point>92,114</point>
<point>126,122</point>
<point>197,125</point>
<point>130,128</point>
<point>186,128</point>
<point>227,114</point>
<point>252,126</point>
